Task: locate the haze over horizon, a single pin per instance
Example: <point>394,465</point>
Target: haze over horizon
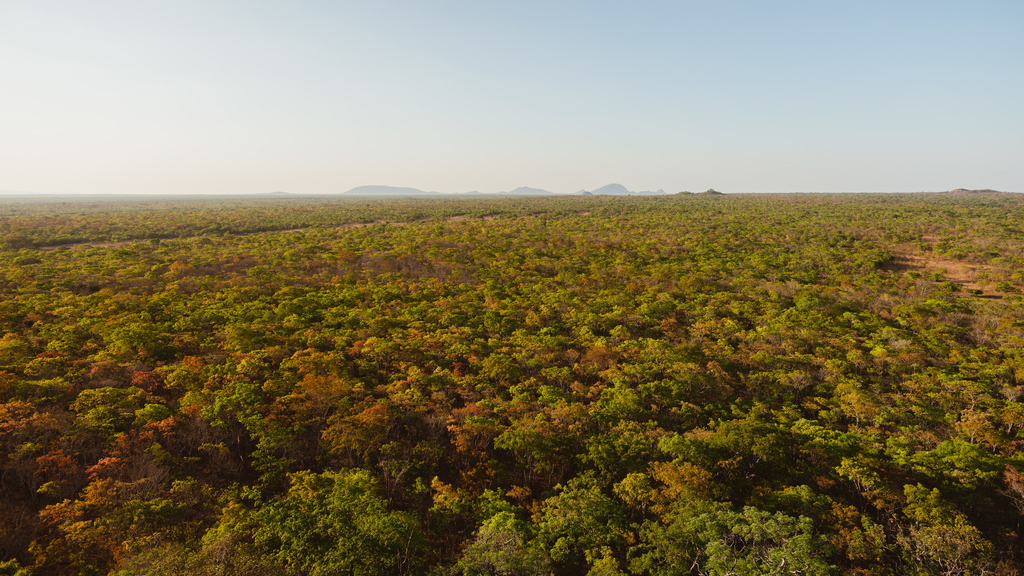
<point>312,97</point>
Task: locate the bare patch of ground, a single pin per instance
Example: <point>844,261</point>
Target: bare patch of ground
<point>909,258</point>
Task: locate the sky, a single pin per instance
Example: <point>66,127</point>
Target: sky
<point>317,97</point>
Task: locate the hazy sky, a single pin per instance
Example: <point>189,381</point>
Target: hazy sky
<point>208,96</point>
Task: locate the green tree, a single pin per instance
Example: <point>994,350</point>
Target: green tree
<point>580,522</point>
<point>334,523</point>
<point>712,539</point>
<point>502,547</point>
<point>940,538</point>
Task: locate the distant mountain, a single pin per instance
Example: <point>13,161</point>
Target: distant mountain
<point>620,190</point>
<point>527,191</point>
<point>612,190</point>
<point>964,191</point>
<point>388,191</point>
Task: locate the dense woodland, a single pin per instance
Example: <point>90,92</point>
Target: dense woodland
<point>692,384</point>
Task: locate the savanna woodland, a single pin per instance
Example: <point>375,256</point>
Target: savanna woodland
<point>690,384</point>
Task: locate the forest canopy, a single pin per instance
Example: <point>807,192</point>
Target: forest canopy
<point>692,384</point>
